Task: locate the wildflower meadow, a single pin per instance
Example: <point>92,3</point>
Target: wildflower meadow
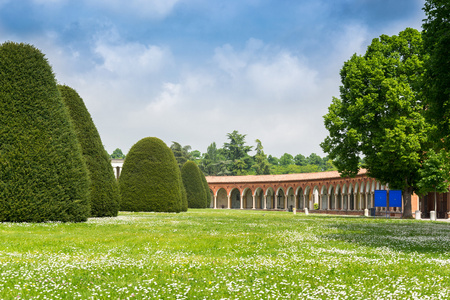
<point>226,254</point>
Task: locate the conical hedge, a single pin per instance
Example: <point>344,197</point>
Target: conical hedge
<point>150,178</point>
<point>43,176</point>
<point>184,202</point>
<point>192,180</point>
<point>104,188</point>
<point>207,191</point>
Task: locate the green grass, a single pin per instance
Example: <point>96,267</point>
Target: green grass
<point>226,254</point>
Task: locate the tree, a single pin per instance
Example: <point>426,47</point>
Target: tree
<point>261,166</point>
<point>192,181</point>
<point>300,160</point>
<point>314,159</point>
<point>117,154</point>
<point>104,190</point>
<point>434,174</point>
<point>181,153</point>
<point>237,152</point>
<point>43,175</point>
<point>436,41</point>
<point>150,178</point>
<point>286,159</point>
<point>207,190</point>
<point>380,114</point>
<point>273,160</point>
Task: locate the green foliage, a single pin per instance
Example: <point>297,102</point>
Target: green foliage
<point>150,178</point>
<point>380,114</point>
<point>195,189</point>
<point>261,166</point>
<point>435,173</point>
<point>286,159</point>
<point>104,190</point>
<point>436,40</point>
<point>207,190</point>
<point>237,152</point>
<point>181,154</point>
<point>316,205</point>
<point>43,176</point>
<point>300,160</point>
<point>117,154</point>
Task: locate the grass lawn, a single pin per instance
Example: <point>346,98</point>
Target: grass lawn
<point>226,254</point>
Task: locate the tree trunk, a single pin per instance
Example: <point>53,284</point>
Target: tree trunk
<point>407,208</point>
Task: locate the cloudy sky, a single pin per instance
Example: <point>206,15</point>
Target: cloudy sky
<point>192,71</point>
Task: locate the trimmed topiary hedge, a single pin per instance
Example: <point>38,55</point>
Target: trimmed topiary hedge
<point>150,178</point>
<point>207,191</point>
<point>43,176</point>
<point>104,188</point>
<point>192,180</point>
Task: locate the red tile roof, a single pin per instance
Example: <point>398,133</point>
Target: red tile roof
<point>277,178</point>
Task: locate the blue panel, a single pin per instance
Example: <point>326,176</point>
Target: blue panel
<point>395,198</point>
<point>380,198</point>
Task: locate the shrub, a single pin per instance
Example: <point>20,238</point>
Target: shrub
<point>43,176</point>
<point>150,178</point>
<point>192,181</point>
<point>207,191</point>
<point>316,205</point>
<point>104,188</point>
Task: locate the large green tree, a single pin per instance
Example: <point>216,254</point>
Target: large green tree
<point>236,151</point>
<point>43,176</point>
<point>261,166</point>
<point>436,40</point>
<point>181,153</point>
<point>150,178</point>
<point>380,114</point>
<point>104,188</point>
<point>117,154</point>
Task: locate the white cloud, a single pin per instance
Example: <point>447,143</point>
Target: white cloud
<point>151,9</point>
<point>130,58</point>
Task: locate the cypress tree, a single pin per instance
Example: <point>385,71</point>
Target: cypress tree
<point>195,190</point>
<point>43,176</point>
<point>150,178</point>
<point>104,188</point>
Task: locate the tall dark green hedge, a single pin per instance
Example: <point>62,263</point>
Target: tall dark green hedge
<point>43,176</point>
<point>104,188</point>
<point>150,178</point>
<point>192,180</point>
<point>207,191</point>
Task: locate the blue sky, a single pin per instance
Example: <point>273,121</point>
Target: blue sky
<point>192,71</point>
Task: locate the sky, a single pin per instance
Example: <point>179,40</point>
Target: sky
<point>192,71</point>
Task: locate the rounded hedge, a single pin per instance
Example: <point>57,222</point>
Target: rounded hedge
<point>104,188</point>
<point>43,176</point>
<point>192,180</point>
<point>150,178</point>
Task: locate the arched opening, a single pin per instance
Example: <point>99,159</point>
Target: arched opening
<point>222,199</point>
<point>235,198</point>
<point>300,199</point>
<point>269,198</point>
<point>280,199</point>
<point>248,199</point>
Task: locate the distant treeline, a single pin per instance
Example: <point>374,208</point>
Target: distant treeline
<point>233,159</point>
